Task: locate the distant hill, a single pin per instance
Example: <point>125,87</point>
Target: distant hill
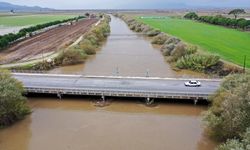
<point>4,6</point>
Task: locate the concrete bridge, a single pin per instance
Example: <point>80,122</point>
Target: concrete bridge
<point>149,88</point>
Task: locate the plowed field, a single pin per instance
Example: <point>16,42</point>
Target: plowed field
<point>46,42</point>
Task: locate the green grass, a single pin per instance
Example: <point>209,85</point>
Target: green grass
<point>25,20</point>
<point>232,45</point>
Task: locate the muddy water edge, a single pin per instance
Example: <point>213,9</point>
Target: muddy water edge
<point>75,123</point>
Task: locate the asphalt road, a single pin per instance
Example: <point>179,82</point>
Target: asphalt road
<point>119,84</point>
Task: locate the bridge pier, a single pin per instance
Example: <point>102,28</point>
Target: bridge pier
<point>149,101</point>
<point>195,101</point>
<point>103,98</point>
<point>59,96</point>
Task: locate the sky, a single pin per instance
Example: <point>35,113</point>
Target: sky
<point>130,4</point>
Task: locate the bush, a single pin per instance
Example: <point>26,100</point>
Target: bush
<point>160,39</point>
<point>172,40</point>
<point>87,47</point>
<point>197,62</point>
<point>179,51</point>
<point>191,49</point>
<point>191,15</point>
<point>70,57</point>
<point>153,32</point>
<point>232,145</point>
<point>12,104</point>
<point>237,144</point>
<point>167,49</point>
<point>230,112</point>
<point>93,40</point>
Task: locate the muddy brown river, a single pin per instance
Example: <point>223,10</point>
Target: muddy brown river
<point>75,123</point>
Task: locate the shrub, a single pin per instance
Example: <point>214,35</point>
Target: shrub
<point>160,39</point>
<point>229,115</point>
<point>197,62</point>
<point>237,144</point>
<point>172,40</point>
<point>167,49</point>
<point>191,15</point>
<point>71,56</point>
<point>232,145</point>
<point>191,49</point>
<point>93,40</point>
<point>153,32</point>
<point>87,47</point>
<point>12,104</point>
<point>179,51</point>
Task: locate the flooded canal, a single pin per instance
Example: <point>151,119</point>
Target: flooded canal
<point>126,124</point>
<point>124,54</point>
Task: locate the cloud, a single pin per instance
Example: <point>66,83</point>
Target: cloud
<point>130,4</point>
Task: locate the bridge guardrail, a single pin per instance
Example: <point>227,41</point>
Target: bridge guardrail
<point>133,93</point>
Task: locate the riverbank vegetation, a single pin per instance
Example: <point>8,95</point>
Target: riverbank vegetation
<point>7,39</point>
<point>228,117</point>
<point>78,53</point>
<point>235,23</point>
<point>12,104</point>
<point>231,45</point>
<point>180,54</point>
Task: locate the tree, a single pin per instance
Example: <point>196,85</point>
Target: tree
<point>12,104</point>
<point>236,12</point>
<point>87,14</point>
<point>191,15</point>
<point>229,115</point>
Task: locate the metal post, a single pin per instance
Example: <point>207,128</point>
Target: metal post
<point>147,73</point>
<point>116,73</point>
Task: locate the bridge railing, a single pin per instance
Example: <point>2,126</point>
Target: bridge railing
<point>29,71</point>
<point>116,76</point>
<point>109,92</point>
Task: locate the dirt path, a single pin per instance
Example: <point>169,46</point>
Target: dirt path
<point>46,42</point>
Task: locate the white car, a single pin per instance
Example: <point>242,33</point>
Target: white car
<point>192,83</point>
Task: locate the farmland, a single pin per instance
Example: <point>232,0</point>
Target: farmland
<point>46,42</point>
<point>232,45</point>
<point>26,20</point>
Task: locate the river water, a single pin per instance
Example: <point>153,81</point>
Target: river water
<point>126,124</point>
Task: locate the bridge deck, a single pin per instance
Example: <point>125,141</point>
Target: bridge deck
<point>110,86</point>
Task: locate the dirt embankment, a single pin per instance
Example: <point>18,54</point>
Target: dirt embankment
<point>46,42</point>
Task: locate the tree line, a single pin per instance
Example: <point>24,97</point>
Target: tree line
<point>221,20</point>
<point>7,39</point>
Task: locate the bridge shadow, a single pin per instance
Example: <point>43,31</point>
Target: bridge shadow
<point>122,104</point>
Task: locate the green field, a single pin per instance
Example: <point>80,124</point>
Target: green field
<point>230,44</point>
<point>25,20</point>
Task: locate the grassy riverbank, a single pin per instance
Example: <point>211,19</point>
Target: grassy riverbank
<point>180,54</point>
<point>230,44</point>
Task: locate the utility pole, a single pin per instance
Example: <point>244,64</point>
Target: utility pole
<point>244,66</point>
